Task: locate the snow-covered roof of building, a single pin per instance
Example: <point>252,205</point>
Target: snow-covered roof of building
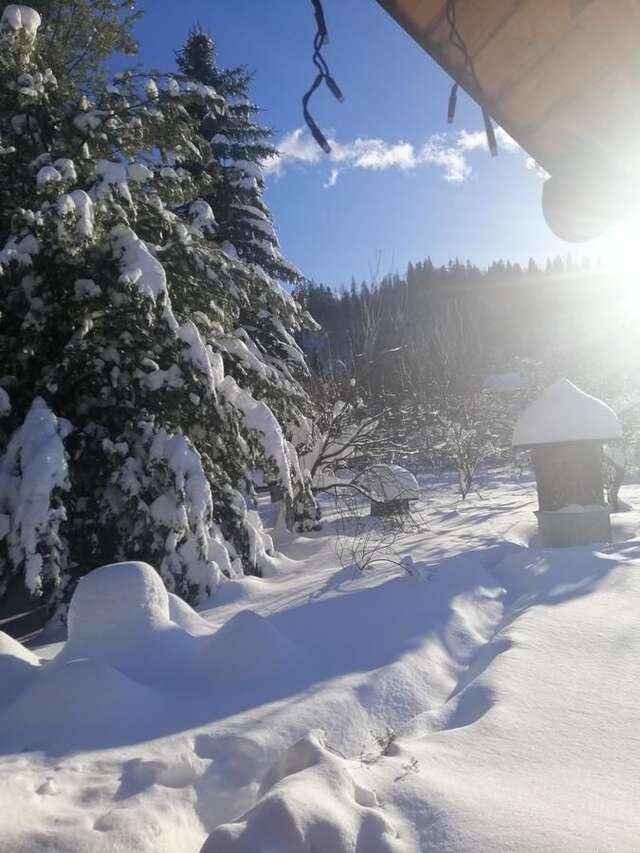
<point>565,413</point>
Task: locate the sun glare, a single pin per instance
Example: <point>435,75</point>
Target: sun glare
<point>617,249</point>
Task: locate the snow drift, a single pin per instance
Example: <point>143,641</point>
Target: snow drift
<point>309,801</point>
<point>130,645</point>
<point>487,702</point>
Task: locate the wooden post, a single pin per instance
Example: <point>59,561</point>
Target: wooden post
<point>568,473</point>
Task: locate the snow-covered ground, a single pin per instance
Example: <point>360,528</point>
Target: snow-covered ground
<point>487,702</point>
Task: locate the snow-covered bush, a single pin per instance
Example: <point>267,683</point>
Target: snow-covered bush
<point>340,434</point>
<point>387,484</point>
<point>126,333</point>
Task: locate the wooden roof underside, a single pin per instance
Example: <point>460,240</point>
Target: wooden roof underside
<point>562,77</point>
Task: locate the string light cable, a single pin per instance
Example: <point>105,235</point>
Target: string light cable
<point>469,71</point>
<point>323,76</point>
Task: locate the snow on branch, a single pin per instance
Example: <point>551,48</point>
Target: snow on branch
<point>33,471</point>
<point>18,17</point>
<point>259,418</point>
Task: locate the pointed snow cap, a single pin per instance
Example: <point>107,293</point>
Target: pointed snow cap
<point>565,413</point>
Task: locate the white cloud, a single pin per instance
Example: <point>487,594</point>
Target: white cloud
<point>446,151</point>
<point>333,177</point>
<point>475,140</point>
<point>374,154</point>
<point>298,146</point>
<point>438,152</point>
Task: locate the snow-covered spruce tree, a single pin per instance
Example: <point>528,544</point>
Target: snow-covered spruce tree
<point>244,228</point>
<point>122,437</point>
<point>76,37</point>
<point>240,146</point>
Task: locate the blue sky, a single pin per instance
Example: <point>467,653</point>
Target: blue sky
<point>388,203</point>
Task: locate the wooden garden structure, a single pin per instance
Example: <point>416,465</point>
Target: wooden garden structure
<point>391,489</point>
<point>564,429</point>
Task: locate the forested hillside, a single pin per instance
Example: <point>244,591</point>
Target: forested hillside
<point>570,317</point>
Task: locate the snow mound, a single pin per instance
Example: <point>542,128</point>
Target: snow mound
<point>71,702</point>
<point>121,615</point>
<point>186,617</point>
<point>18,668</point>
<point>565,413</point>
<point>138,774</point>
<point>309,800</point>
<point>116,598</point>
<point>10,648</point>
<point>239,759</point>
<point>389,483</point>
<point>248,648</point>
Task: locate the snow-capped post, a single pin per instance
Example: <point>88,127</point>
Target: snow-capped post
<point>565,429</point>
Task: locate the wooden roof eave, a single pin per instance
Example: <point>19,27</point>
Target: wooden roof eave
<point>463,80</point>
<point>545,69</point>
